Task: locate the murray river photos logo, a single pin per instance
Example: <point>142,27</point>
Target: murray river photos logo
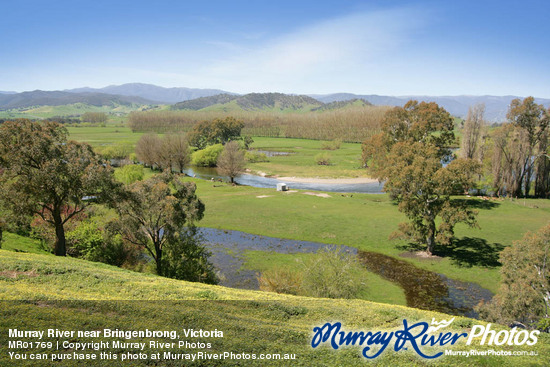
<point>416,336</point>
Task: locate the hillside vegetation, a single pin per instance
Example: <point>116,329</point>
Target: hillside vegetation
<point>43,291</point>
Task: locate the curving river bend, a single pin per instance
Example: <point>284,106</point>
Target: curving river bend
<point>423,289</point>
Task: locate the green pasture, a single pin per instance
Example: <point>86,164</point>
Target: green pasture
<point>39,292</point>
<point>366,221</point>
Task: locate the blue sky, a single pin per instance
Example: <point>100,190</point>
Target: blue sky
<point>365,47</point>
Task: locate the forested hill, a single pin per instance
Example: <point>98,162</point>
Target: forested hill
<point>58,98</point>
<point>264,102</point>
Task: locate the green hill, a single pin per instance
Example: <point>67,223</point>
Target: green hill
<point>40,292</point>
<point>275,102</point>
<point>343,104</point>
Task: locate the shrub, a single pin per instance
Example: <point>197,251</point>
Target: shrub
<point>130,173</point>
<point>332,273</point>
<point>280,281</point>
<point>255,157</point>
<point>331,145</point>
<point>323,159</point>
<point>186,258</point>
<point>91,242</point>
<point>207,157</point>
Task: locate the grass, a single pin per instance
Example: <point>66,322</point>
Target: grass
<point>40,292</point>
<point>14,242</point>
<point>74,109</point>
<point>345,162</point>
<point>103,135</point>
<point>365,221</point>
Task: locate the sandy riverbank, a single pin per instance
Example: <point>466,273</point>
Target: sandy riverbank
<point>358,180</point>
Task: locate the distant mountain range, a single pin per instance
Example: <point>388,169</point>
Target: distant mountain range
<point>153,92</point>
<point>496,107</point>
<point>58,98</point>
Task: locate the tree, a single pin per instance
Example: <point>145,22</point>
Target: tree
<point>533,120</point>
<point>408,154</point>
<point>157,212</point>
<point>473,132</point>
<point>231,162</point>
<point>46,175</point>
<point>163,153</point>
<point>186,258</point>
<point>217,131</point>
<point>524,293</point>
<point>174,152</point>
<point>147,150</point>
<point>97,117</point>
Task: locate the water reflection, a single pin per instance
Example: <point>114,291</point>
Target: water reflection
<point>425,289</point>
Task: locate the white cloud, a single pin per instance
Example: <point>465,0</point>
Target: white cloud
<point>346,49</point>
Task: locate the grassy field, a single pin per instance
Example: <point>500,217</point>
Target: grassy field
<point>72,294</point>
<point>365,221</point>
<point>103,135</point>
<point>116,112</point>
<point>345,162</point>
<point>301,163</point>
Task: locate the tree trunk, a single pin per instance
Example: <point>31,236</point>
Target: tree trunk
<point>158,260</point>
<point>232,179</point>
<point>430,238</point>
<point>60,243</point>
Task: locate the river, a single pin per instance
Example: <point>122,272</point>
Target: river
<point>207,173</point>
<point>423,289</point>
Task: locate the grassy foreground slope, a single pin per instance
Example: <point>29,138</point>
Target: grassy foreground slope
<point>40,292</point>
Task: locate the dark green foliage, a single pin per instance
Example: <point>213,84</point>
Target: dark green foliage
<point>158,216</point>
<point>186,258</point>
<point>408,154</point>
<point>524,293</point>
<point>91,242</point>
<point>46,175</point>
<point>217,131</point>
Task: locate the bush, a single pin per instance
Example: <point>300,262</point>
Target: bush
<point>323,159</point>
<point>332,273</point>
<point>255,157</point>
<point>280,281</point>
<point>331,145</point>
<point>207,157</point>
<point>90,242</point>
<point>184,257</point>
<point>130,173</point>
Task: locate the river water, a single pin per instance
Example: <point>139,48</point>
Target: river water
<point>207,173</point>
<point>423,289</point>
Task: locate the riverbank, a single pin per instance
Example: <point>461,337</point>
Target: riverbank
<point>329,181</point>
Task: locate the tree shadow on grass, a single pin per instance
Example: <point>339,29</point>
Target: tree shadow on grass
<point>471,251</point>
<point>474,203</point>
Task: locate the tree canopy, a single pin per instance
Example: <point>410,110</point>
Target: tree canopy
<point>46,175</point>
<point>217,131</point>
<point>409,154</point>
<point>231,161</point>
<point>156,214</point>
<point>524,293</point>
